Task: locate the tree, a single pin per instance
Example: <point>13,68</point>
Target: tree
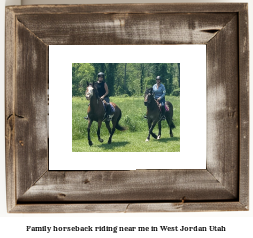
<point>126,78</point>
<point>142,71</point>
<point>171,73</point>
<point>75,79</point>
<point>99,67</point>
<point>81,73</point>
<point>162,71</point>
<point>111,69</point>
<point>178,65</point>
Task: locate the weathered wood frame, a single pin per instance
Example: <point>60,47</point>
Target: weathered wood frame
<point>222,186</point>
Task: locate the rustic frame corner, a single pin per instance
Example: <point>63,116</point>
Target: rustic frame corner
<point>223,186</point>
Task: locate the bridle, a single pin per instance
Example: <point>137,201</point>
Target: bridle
<point>90,93</point>
<point>150,93</point>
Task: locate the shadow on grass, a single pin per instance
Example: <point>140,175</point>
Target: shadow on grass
<point>113,145</point>
<point>169,139</point>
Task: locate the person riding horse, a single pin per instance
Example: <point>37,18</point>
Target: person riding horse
<point>159,95</point>
<point>103,92</point>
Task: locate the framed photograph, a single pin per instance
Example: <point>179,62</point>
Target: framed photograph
<point>69,100</point>
<point>54,55</point>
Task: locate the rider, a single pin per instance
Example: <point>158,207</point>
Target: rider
<point>103,92</point>
<point>159,95</point>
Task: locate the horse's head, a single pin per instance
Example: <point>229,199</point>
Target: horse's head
<point>90,91</point>
<point>148,96</point>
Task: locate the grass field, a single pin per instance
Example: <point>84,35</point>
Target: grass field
<point>131,140</point>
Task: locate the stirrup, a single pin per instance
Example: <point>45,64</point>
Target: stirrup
<point>105,117</point>
<point>109,117</point>
<point>162,117</point>
<point>86,118</point>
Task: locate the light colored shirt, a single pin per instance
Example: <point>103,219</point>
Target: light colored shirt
<point>159,92</point>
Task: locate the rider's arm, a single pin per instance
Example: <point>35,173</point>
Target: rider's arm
<point>164,91</point>
<point>106,90</point>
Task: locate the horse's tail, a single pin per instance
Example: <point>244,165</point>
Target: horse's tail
<point>171,123</point>
<point>118,126</point>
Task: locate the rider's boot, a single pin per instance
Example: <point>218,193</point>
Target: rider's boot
<point>107,112</point>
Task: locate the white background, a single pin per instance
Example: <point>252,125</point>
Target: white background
<point>239,224</point>
<point>192,61</point>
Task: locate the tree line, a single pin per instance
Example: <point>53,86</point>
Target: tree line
<point>126,78</point>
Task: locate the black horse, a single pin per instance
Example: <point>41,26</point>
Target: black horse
<point>96,112</point>
<point>154,114</point>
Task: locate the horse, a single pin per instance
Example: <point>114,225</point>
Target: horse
<point>153,114</point>
<point>96,112</point>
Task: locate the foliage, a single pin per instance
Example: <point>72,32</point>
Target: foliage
<point>81,73</point>
<point>126,78</point>
<point>176,92</point>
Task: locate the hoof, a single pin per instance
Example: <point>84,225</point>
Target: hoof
<point>146,140</point>
<point>100,140</point>
<point>90,143</point>
<point>171,135</point>
<point>158,137</point>
<point>109,142</point>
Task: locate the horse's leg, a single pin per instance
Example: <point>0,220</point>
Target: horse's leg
<point>114,122</point>
<point>151,127</point>
<point>160,130</point>
<point>110,138</point>
<point>171,133</point>
<point>88,129</point>
<point>168,119</point>
<point>98,131</point>
<point>109,129</point>
<point>108,126</point>
<point>153,134</point>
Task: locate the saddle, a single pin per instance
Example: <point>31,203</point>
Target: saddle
<point>166,108</point>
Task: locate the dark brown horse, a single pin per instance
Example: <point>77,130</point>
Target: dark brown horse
<point>153,114</point>
<point>96,112</point>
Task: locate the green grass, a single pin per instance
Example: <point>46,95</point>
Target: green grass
<point>132,140</point>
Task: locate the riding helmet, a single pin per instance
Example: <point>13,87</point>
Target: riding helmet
<point>101,74</point>
<point>158,78</point>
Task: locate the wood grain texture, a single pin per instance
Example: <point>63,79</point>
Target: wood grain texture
<point>156,8</point>
<point>186,207</point>
<point>140,185</point>
<point>223,186</point>
<point>244,106</point>
<point>30,108</point>
<point>10,60</point>
<point>125,29</point>
<point>129,207</point>
<point>222,107</point>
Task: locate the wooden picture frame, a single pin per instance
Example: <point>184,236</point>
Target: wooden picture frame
<point>222,186</point>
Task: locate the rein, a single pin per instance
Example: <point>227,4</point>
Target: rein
<point>155,100</point>
<point>96,95</point>
<point>98,98</point>
<point>158,108</point>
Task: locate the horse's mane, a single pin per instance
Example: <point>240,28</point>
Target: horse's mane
<point>148,90</point>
